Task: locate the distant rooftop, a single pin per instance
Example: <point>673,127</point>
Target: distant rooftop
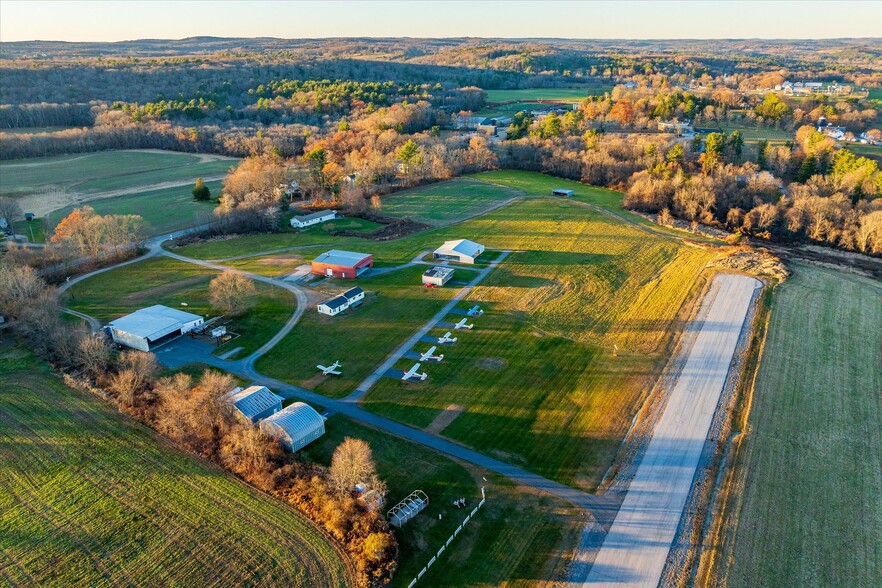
<point>314,215</point>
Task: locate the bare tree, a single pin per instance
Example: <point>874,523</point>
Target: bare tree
<point>10,211</point>
<point>93,354</point>
<point>231,293</point>
<point>353,463</point>
<point>135,374</point>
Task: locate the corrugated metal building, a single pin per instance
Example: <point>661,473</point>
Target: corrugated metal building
<point>148,326</point>
<point>462,250</point>
<point>254,402</point>
<point>342,264</point>
<point>295,426</point>
<point>307,220</point>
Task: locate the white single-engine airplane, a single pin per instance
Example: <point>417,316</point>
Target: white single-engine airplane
<point>462,325</point>
<point>414,373</point>
<point>447,338</point>
<point>475,310</point>
<point>330,369</point>
<point>428,355</point>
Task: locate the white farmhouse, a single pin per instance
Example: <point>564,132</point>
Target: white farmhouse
<point>337,304</point>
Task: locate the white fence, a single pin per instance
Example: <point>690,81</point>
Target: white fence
<point>449,539</point>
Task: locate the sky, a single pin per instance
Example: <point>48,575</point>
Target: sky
<point>117,20</point>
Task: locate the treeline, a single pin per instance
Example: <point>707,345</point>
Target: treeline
<point>16,116</point>
<point>192,412</point>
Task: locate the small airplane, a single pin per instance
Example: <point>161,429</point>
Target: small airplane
<point>414,373</point>
<point>330,369</point>
<point>447,338</point>
<point>462,325</point>
<point>475,310</point>
<point>428,355</point>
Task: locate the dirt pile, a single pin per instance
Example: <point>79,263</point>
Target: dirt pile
<point>758,262</point>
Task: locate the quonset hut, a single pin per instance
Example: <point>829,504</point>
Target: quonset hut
<point>295,426</point>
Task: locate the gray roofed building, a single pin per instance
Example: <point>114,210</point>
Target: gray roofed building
<point>312,219</point>
<point>254,402</point>
<point>147,326</point>
<point>461,250</point>
<point>295,426</point>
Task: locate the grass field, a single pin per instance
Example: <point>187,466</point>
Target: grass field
<point>396,305</point>
<point>508,543</point>
<point>811,503</point>
<point>536,378</point>
<point>249,244</point>
<point>104,171</point>
<point>112,294</point>
<point>35,130</point>
<point>91,498</point>
<point>446,202</point>
<point>870,151</point>
<point>753,134</point>
<point>165,210</point>
<point>532,94</point>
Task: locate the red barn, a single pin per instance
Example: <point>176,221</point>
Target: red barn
<point>342,264</point>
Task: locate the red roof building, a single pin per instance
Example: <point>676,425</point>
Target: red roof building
<point>342,264</point>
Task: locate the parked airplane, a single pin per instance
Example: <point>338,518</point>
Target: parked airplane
<point>330,369</point>
<point>447,338</point>
<point>428,355</point>
<point>414,373</point>
<point>462,325</point>
<point>475,310</point>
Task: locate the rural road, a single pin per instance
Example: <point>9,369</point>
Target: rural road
<point>637,545</point>
<point>369,382</point>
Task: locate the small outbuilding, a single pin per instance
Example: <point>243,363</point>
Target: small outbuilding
<point>145,328</point>
<point>562,192</point>
<point>437,276</point>
<point>307,220</point>
<point>342,264</point>
<point>254,403</point>
<point>295,426</point>
<point>462,251</point>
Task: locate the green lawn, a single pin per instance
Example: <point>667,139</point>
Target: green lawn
<point>396,305</point>
<point>753,133</point>
<point>35,130</point>
<point>532,94</point>
<point>104,171</point>
<point>446,202</point>
<point>287,237</point>
<point>809,505</point>
<point>89,497</point>
<point>165,210</point>
<point>536,377</point>
<point>517,535</point>
<point>112,294</point>
<point>870,151</point>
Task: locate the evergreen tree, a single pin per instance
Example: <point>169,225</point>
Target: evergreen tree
<point>201,191</point>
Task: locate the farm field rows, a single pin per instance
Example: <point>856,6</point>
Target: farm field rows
<point>165,210</point>
<point>810,485</point>
<point>502,542</point>
<point>91,498</point>
<point>112,294</point>
<point>536,378</point>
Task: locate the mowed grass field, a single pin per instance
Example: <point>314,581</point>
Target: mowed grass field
<point>105,171</point>
<point>89,497</point>
<point>165,210</point>
<point>811,502</point>
<point>111,294</point>
<point>516,539</point>
<point>446,202</point>
<point>396,304</point>
<point>536,382</point>
<point>532,94</point>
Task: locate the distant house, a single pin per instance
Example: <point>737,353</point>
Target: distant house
<point>676,127</point>
<point>342,264</point>
<point>155,324</point>
<point>462,251</point>
<point>337,304</point>
<point>562,192</point>
<point>295,426</point>
<point>254,403</point>
<point>299,222</point>
<point>437,276</point>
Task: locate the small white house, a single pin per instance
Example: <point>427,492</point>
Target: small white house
<point>462,251</point>
<point>307,220</point>
<point>337,304</point>
<point>437,276</point>
<point>152,325</point>
<point>295,426</point>
<point>254,403</point>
